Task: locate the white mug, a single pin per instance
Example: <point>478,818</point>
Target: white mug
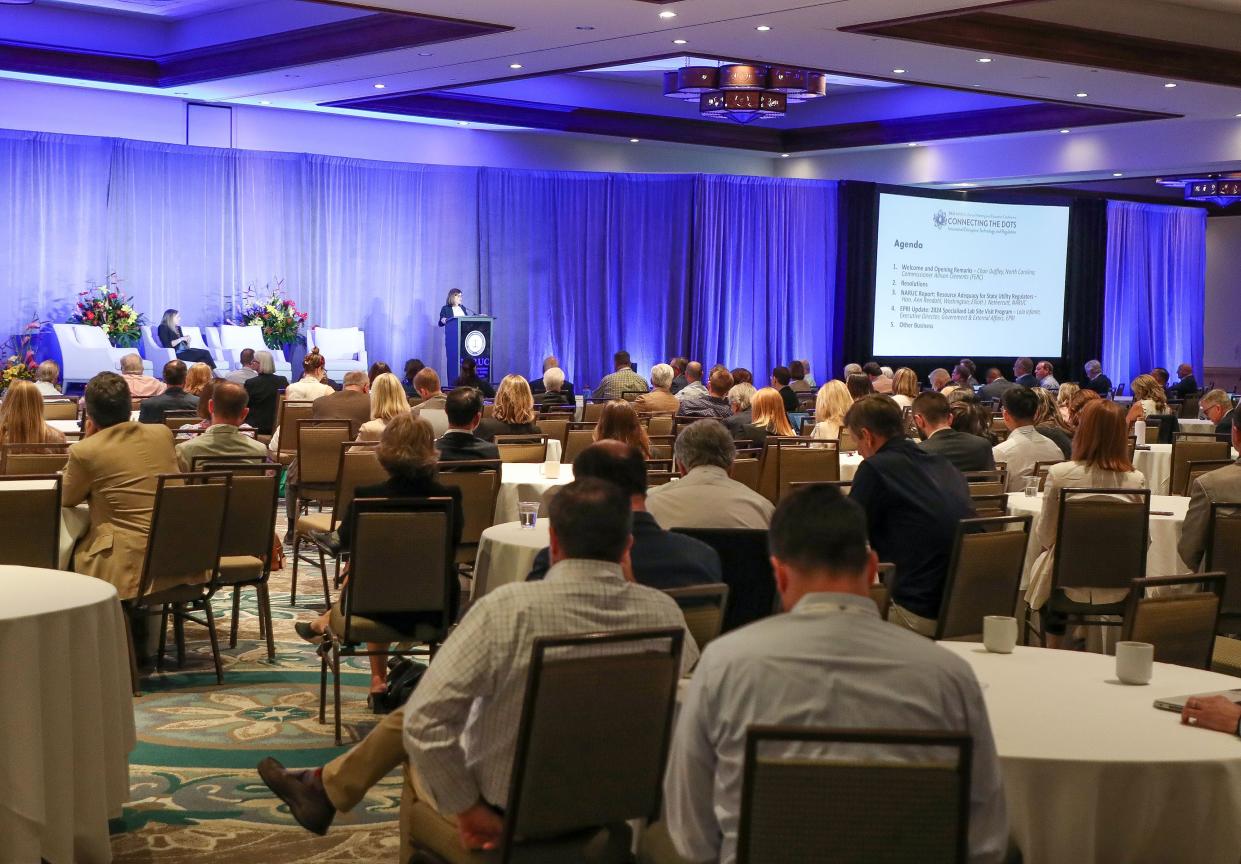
<point>999,633</point>
<point>1134,662</point>
<point>551,469</point>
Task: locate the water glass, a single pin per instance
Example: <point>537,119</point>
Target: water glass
<point>1032,484</point>
<point>528,513</point>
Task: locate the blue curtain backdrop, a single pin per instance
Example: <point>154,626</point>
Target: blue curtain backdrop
<point>1155,287</point>
<point>735,270</point>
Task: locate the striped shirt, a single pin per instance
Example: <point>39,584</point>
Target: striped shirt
<point>461,723</point>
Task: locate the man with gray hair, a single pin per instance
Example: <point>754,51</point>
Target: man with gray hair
<point>140,384</point>
<point>851,369</point>
<point>740,397</point>
<point>539,385</point>
<point>1217,407</point>
<point>939,379</point>
<point>660,400</point>
<point>1096,380</point>
<point>705,496</point>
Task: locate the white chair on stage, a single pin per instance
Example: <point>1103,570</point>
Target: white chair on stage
<point>159,355</point>
<point>85,352</point>
<point>343,349</point>
<point>232,339</point>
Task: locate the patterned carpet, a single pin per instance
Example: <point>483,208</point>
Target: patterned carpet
<point>195,794</point>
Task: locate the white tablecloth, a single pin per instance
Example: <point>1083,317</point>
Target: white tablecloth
<point>524,481</point>
<point>66,716</point>
<point>1092,772</point>
<point>505,554</point>
<point>1156,466</point>
<point>848,464</point>
<point>1162,558</point>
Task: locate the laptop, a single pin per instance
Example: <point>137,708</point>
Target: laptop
<point>1177,703</point>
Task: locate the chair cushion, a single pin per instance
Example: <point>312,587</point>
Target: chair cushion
<point>314,522</point>
<point>240,568</point>
<point>367,630</point>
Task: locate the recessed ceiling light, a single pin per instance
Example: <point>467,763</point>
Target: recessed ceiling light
<point>784,155</point>
<point>634,140</point>
<point>898,71</point>
<point>380,86</point>
<point>1117,174</point>
<point>585,27</point>
<point>463,122</point>
<point>667,13</point>
<point>680,41</point>
<point>762,28</point>
<point>425,54</point>
<point>912,144</point>
<point>984,59</point>
<point>1236,115</point>
<point>514,65</point>
<point>1082,95</point>
<point>1170,85</point>
<point>1064,131</point>
<point>184,93</point>
<point>264,102</point>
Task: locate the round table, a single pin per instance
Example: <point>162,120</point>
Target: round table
<point>505,554</point>
<point>1155,463</point>
<point>848,464</point>
<point>1093,772</point>
<point>66,715</point>
<point>524,481</point>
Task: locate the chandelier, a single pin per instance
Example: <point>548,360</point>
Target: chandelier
<point>743,92</point>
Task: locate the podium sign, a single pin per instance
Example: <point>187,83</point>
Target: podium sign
<point>469,338</point>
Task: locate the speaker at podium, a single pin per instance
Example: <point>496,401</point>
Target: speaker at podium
<point>469,338</point>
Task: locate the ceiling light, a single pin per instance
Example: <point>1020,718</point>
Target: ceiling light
<point>667,13</point>
<point>984,59</point>
<point>1064,131</point>
<point>585,27</point>
<point>1170,85</point>
<point>762,28</point>
<point>680,41</point>
<point>912,144</point>
<point>784,155</point>
<point>264,102</point>
<point>463,122</point>
<point>380,86</point>
<point>514,65</point>
<point>898,71</point>
<point>1082,95</point>
<point>1236,115</point>
<point>634,140</point>
<point>1117,174</point>
<point>425,54</point>
<point>743,91</point>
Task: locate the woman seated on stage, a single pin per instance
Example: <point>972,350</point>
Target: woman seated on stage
<point>169,333</point>
<point>388,400</point>
<point>196,377</point>
<point>830,407</point>
<point>1148,398</point>
<point>21,417</point>
<point>767,410</point>
<point>620,422</point>
<point>513,412</point>
<point>407,452</point>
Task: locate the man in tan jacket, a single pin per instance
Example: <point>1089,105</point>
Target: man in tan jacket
<point>113,468</point>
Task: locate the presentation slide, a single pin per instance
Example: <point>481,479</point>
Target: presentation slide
<point>966,279</point>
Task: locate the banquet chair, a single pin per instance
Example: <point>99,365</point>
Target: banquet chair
<point>845,486</point>
<point>1161,428</point>
<point>989,506</point>
<point>555,428</point>
<point>577,440</point>
<point>661,424</point>
<point>60,409</point>
<point>1181,626</point>
<point>847,441</point>
<point>632,395</point>
<point>1189,408</point>
<point>480,489</point>
<point>288,417</point>
<point>1040,471</point>
<point>1185,451</point>
<point>662,446</point>
<point>769,460</point>
<point>1117,520</point>
<point>746,472</point>
<point>1198,467</point>
<point>746,570</point>
<point>246,549</point>
<point>588,759</point>
<point>984,572</point>
<point>33,458</point>
<point>592,410</point>
<point>182,560</point>
<point>1222,554</point>
<point>174,420</point>
<point>802,793</point>
<point>703,607</point>
<point>522,448</point>
<point>401,564</point>
<point>805,463</point>
<point>223,463</point>
<point>31,505</point>
<point>356,465</point>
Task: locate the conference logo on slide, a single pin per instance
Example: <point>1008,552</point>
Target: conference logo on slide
<point>982,223</point>
<point>475,343</point>
<point>940,219</point>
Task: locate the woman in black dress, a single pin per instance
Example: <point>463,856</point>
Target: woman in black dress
<point>169,334</point>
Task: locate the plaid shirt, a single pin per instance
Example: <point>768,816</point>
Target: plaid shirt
<point>461,723</point>
<point>619,382</point>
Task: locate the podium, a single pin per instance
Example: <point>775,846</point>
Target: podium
<point>468,337</point>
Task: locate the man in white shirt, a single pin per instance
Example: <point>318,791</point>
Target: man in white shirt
<point>831,661</point>
<point>460,726</point>
<point>1025,445</point>
<point>1044,371</point>
<point>694,388</point>
<point>705,496</point>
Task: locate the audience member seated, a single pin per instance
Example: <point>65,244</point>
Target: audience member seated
<point>934,420</point>
<point>969,368</point>
<point>378,368</point>
<point>742,375</point>
<point>623,380</point>
<point>859,386</point>
<point>830,407</point>
<point>469,378</point>
<point>1023,373</point>
<point>407,452</point>
<point>1077,404</point>
<point>714,403</point>
<point>464,410</point>
<point>905,387</point>
<point>693,386</point>
<point>412,367</point>
<point>264,392</point>
<point>459,728</point>
<point>170,336</point>
<point>433,400</point>
<point>939,379</point>
<point>797,378</point>
<point>553,393</point>
<point>46,376</point>
<point>678,365</point>
<point>741,399</point>
<point>197,377</point>
<point>1217,407</point>
<point>851,369</point>
<point>352,402</point>
<point>660,399</point>
<point>780,382</point>
<point>174,397</point>
<point>311,385</point>
<point>203,411</point>
<point>1025,445</point>
<point>388,400</point>
<point>996,385</point>
<point>113,469</point>
<point>1220,485</point>
<point>248,369</point>
<point>1161,377</point>
<point>913,501</point>
<point>1187,386</point>
<point>1064,398</point>
<point>21,417</point>
<point>620,422</point>
<point>1100,461</point>
<point>227,405</point>
<point>970,416</point>
<point>1044,371</point>
<point>961,377</point>
<point>828,662</point>
<point>879,383</point>
<point>705,496</point>
<point>140,384</point>
<point>1096,380</point>
<point>539,385</point>
<point>1047,421</point>
<point>767,417</point>
<point>513,412</point>
<point>658,558</point>
<point>1148,398</point>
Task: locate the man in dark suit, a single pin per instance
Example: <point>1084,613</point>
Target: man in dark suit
<point>173,399</point>
<point>658,558</point>
<point>679,380</point>
<point>1217,407</point>
<point>1096,380</point>
<point>264,391</point>
<point>538,387</point>
<point>995,386</point>
<point>780,378</point>
<point>350,403</point>
<point>1188,385</point>
<point>934,420</point>
<point>464,407</point>
<point>1023,373</point>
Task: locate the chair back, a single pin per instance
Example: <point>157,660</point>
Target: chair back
<point>479,490</point>
<point>847,441</point>
<point>990,505</point>
<point>187,529</point>
<point>1189,408</point>
<point>987,482</point>
<point>1040,469</point>
<point>318,451</point>
<point>662,446</point>
<point>250,521</point>
<point>1186,451</point>
<point>984,573</point>
<point>746,472</point>
<point>1181,625</point>
<point>1161,428</point>
<point>31,508</point>
<point>632,395</point>
<point>703,607</point>
<point>401,560</point>
<point>358,466</point>
<point>804,791</point>
<point>1117,520</point>
<point>557,429</point>
<point>522,448</point>
<point>661,424</point>
<point>590,756</point>
<point>60,409</point>
<point>576,440</point>
<point>33,458</point>
<point>291,413</point>
<point>1198,467</point>
<point>592,411</point>
<point>769,467</point>
<point>1223,552</point>
<point>225,463</point>
<point>174,420</point>
<point>746,571</point>
<point>804,463</point>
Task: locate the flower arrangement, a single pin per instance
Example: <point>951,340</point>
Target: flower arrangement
<point>277,314</point>
<point>17,355</point>
<point>105,306</point>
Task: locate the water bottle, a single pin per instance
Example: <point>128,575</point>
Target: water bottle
<point>1139,432</point>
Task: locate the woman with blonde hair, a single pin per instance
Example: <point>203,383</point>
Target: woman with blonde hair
<point>768,416</point>
<point>1064,396</point>
<point>830,407</point>
<point>1148,398</point>
<point>196,378</point>
<point>1047,421</point>
<point>620,422</point>
<point>513,412</point>
<point>905,387</point>
<point>21,417</point>
<point>387,401</point>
